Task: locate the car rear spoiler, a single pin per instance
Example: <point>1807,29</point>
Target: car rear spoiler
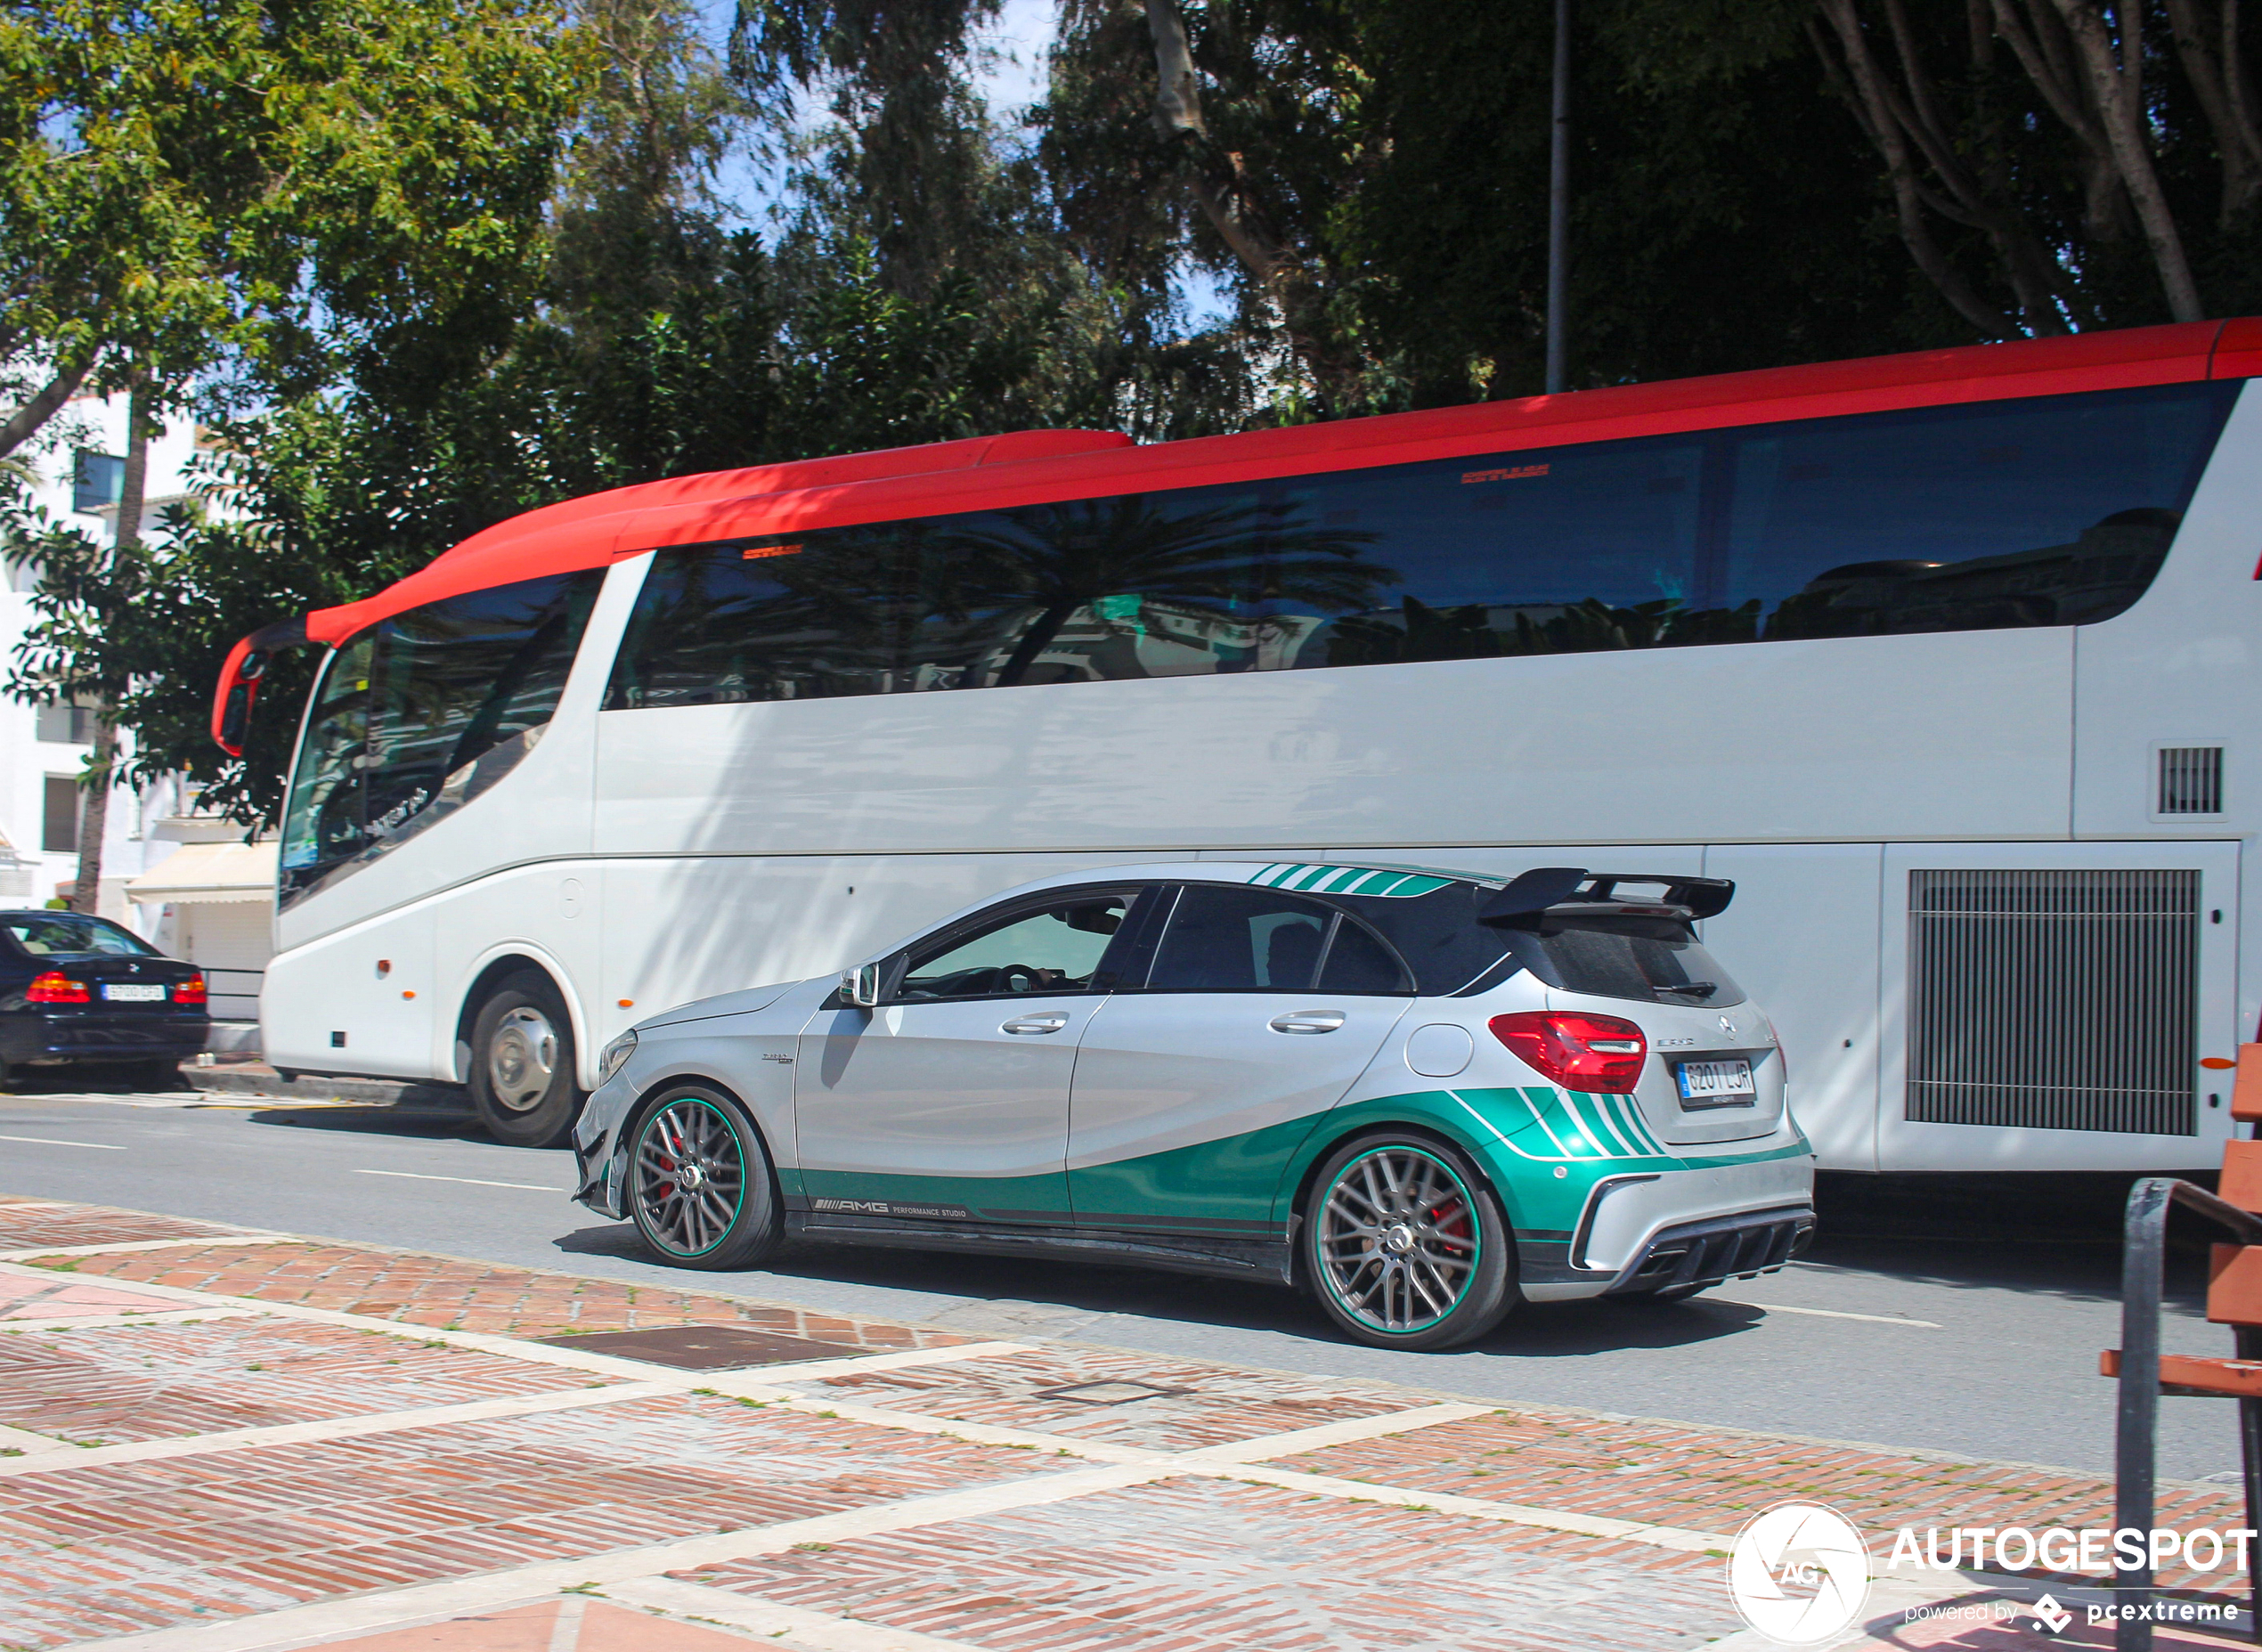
<point>1574,891</point>
<point>240,678</point>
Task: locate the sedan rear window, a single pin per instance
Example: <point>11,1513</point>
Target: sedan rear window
<point>73,935</point>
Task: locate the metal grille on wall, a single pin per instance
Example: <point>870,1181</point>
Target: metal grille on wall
<point>2054,1000</point>
<point>2191,780</point>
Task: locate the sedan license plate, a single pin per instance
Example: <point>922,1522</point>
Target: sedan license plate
<point>1716,1084</point>
<point>138,993</point>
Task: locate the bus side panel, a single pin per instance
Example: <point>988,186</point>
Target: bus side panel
<point>547,915</point>
<point>1802,937</point>
<point>359,1001</point>
<point>2070,976</point>
<point>2178,671</point>
<point>1958,735</point>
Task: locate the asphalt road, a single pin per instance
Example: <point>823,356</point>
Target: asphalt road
<point>1962,1321</point>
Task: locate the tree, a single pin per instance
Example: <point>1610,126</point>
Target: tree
<point>2059,163</point>
<point>185,183</point>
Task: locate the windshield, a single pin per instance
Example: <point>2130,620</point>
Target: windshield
<point>73,935</point>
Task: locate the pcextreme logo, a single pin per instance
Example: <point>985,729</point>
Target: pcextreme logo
<point>1799,1573</point>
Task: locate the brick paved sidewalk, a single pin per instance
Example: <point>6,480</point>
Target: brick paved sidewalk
<point>219,1442</point>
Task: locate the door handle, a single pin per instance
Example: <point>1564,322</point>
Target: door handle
<point>1307,1021</point>
<point>1035,1023</point>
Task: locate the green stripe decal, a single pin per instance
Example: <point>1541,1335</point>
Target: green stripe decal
<point>1326,880</point>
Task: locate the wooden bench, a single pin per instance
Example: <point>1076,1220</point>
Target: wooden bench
<point>2233,1298</point>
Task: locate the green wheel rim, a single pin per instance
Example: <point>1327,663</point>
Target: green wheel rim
<point>687,1176</point>
<point>1397,1241</point>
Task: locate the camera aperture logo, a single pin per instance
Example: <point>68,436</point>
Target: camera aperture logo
<point>1799,1573</point>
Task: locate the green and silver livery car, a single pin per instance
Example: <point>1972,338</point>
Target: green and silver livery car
<point>1422,1095</point>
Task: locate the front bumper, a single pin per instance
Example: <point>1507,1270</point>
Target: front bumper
<point>597,1148</point>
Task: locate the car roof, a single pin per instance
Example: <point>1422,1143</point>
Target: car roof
<point>1331,876</point>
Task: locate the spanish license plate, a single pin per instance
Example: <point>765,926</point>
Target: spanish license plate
<point>132,993</point>
<point>1716,1084</point>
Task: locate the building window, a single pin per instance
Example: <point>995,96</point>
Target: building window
<point>66,807</point>
<point>66,725</point>
<point>97,481</point>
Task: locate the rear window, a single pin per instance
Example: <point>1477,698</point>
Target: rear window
<point>73,935</point>
<point>1649,962</point>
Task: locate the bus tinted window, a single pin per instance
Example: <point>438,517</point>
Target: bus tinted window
<point>2053,512</point>
<point>2049,511</point>
<point>422,712</point>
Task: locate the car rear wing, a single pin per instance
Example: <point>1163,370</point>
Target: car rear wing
<point>1574,892</point>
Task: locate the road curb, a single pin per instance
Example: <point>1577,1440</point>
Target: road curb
<point>258,1078</point>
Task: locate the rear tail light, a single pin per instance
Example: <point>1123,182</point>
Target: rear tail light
<point>188,991</point>
<point>56,988</point>
<point>1590,1053</point>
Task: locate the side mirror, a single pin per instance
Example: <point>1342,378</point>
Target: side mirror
<point>861,985</point>
<point>235,717</point>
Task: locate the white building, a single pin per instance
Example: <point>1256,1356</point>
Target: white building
<point>185,881</point>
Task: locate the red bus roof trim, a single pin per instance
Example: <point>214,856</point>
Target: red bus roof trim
<point>1042,466</point>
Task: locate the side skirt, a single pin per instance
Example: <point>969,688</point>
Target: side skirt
<point>1268,1260</point>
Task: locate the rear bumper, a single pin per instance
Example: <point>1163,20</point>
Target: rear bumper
<point>1704,1253</point>
<point>100,1037</point>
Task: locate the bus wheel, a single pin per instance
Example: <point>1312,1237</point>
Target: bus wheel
<point>522,1064</point>
<point>700,1186</point>
<point>1405,1245</point>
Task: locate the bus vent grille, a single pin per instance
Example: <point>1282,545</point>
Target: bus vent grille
<point>2054,1000</point>
<point>2191,780</point>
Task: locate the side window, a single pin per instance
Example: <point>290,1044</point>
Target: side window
<point>1052,951</point>
<point>804,619</point>
<point>2055,511</point>
<point>423,713</point>
<point>1356,961</point>
<point>1239,941</point>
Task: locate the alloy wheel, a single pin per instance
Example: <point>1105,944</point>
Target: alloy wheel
<point>689,1176</point>
<point>1399,1239</point>
<point>522,1058</point>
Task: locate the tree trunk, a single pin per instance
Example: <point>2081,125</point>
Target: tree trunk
<point>86,893</point>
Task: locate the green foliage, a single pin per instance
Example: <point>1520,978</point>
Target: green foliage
<point>189,184</point>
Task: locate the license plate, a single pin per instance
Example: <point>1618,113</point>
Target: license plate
<point>133,994</point>
<point>1716,1084</point>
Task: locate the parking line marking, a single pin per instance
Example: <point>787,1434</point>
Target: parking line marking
<point>24,1440</point>
<point>125,1245</point>
<point>1477,1508</point>
<point>297,1625</point>
<point>1270,1446</point>
<point>821,1631</point>
<point>1874,1319</point>
<point>56,1141</point>
<point>818,1371</point>
<point>335,1427</point>
<point>111,1322</point>
<point>468,1181</point>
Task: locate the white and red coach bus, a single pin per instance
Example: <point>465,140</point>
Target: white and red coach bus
<point>1943,658</point>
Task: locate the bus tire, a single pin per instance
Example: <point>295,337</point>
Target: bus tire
<point>700,1187</point>
<point>1405,1244</point>
<point>522,1063</point>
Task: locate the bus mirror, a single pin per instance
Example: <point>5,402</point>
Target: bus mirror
<point>861,985</point>
<point>236,713</point>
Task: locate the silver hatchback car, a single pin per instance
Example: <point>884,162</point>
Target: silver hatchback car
<point>1422,1096</point>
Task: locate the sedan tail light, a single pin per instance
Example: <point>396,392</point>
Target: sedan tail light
<point>56,988</point>
<point>1591,1054</point>
<point>188,991</point>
